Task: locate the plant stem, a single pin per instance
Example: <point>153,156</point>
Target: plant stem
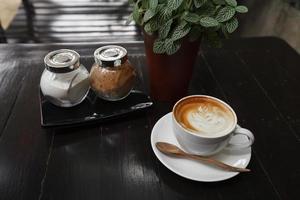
<point>189,4</point>
<point>178,15</point>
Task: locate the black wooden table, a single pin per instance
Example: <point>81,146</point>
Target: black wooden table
<point>259,78</point>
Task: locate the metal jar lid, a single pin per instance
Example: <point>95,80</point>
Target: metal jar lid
<point>110,56</point>
<point>62,61</point>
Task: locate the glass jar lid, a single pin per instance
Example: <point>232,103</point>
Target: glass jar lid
<point>62,61</point>
<point>110,56</point>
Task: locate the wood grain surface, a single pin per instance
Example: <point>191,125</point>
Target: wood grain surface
<point>258,77</point>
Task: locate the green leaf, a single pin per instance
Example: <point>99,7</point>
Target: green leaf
<point>171,47</point>
<point>219,2</point>
<point>148,28</point>
<point>241,9</point>
<point>164,14</point>
<point>232,3</point>
<point>199,3</point>
<point>164,30</point>
<point>153,4</point>
<point>191,17</point>
<point>225,32</point>
<point>225,14</point>
<point>148,15</point>
<point>151,26</point>
<point>174,4</point>
<point>168,44</point>
<point>129,19</point>
<point>232,25</point>
<point>144,4</point>
<point>136,15</point>
<point>180,31</point>
<point>159,47</point>
<point>208,9</point>
<point>208,22</point>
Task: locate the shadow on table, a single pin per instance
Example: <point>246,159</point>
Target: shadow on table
<point>65,136</point>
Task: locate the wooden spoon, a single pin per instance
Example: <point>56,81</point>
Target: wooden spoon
<point>173,150</point>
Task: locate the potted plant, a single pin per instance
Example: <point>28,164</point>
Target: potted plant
<point>173,30</point>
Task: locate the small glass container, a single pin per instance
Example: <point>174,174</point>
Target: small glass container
<point>65,81</point>
<point>112,77</point>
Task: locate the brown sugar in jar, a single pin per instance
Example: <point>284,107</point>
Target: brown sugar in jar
<point>112,77</point>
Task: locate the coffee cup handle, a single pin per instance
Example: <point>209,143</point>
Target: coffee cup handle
<point>241,131</point>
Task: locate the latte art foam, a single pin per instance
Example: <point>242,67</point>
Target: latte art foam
<point>205,116</point>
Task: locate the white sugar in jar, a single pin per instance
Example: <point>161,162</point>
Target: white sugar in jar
<point>65,81</point>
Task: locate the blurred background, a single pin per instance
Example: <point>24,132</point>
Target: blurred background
<point>41,21</point>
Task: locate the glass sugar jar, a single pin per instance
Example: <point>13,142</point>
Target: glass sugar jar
<point>65,81</point>
<point>112,76</point>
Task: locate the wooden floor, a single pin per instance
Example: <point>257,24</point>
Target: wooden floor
<point>72,21</point>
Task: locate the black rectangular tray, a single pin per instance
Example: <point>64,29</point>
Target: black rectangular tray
<point>92,109</point>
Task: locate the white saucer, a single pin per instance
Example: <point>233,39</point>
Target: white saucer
<point>194,170</point>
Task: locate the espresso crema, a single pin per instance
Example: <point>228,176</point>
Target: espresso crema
<point>204,116</point>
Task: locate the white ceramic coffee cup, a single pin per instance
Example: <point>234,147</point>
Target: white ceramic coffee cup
<point>208,145</point>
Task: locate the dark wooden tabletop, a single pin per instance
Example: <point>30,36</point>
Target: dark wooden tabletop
<point>259,78</point>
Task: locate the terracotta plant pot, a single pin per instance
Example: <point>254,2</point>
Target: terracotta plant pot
<point>170,74</point>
